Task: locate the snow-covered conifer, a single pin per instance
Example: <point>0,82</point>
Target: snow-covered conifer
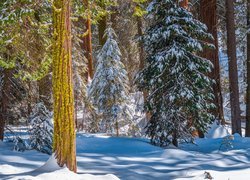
<point>180,92</point>
<point>41,132</point>
<point>109,88</point>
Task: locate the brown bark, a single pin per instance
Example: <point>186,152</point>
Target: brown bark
<point>208,14</point>
<point>45,95</point>
<point>233,70</point>
<point>87,41</point>
<point>248,73</point>
<point>140,45</point>
<point>6,88</point>
<point>102,25</point>
<point>142,56</point>
<point>64,146</point>
<point>183,3</point>
<point>114,18</point>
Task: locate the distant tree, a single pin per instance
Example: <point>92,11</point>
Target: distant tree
<point>109,88</point>
<point>233,70</point>
<point>180,93</point>
<point>87,39</point>
<point>64,122</point>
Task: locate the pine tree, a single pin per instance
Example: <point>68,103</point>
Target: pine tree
<point>41,132</point>
<point>64,122</point>
<point>109,88</point>
<point>180,93</point>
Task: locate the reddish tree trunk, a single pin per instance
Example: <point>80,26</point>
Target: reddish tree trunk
<point>208,9</point>
<point>87,41</point>
<point>102,25</point>
<point>64,145</point>
<point>233,70</point>
<point>45,94</point>
<point>248,73</point>
<point>6,88</point>
<point>141,56</point>
<point>184,3</point>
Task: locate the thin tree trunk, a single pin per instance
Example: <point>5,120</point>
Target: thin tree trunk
<point>44,86</point>
<point>208,13</point>
<point>64,145</point>
<point>183,3</point>
<point>114,18</point>
<point>233,70</point>
<point>248,72</point>
<point>102,25</point>
<point>5,100</point>
<point>141,56</point>
<point>87,41</point>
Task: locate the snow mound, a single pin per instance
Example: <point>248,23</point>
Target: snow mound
<point>50,171</point>
<point>65,174</point>
<point>49,166</point>
<point>217,131</point>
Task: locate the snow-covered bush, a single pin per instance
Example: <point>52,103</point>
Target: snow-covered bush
<point>41,131</point>
<point>227,143</point>
<point>180,92</point>
<point>109,88</point>
<point>20,144</point>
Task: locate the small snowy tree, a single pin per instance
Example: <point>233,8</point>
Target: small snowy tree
<point>180,93</point>
<point>41,132</point>
<point>109,88</point>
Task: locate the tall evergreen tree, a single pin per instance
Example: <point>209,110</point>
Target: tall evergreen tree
<point>64,123</point>
<point>109,88</point>
<point>180,93</point>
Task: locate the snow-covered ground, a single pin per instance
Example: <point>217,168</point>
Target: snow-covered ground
<point>136,159</point>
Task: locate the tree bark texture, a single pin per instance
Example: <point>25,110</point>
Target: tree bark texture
<point>208,14</point>
<point>183,3</point>
<point>87,40</point>
<point>64,146</point>
<point>233,70</point>
<point>102,25</point>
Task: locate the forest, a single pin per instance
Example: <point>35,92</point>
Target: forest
<point>124,89</point>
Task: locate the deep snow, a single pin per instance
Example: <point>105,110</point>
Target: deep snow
<point>136,159</point>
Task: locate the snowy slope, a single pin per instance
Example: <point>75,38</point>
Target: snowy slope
<point>136,159</point>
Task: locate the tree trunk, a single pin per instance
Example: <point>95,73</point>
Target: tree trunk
<point>141,56</point>
<point>208,13</point>
<point>6,88</point>
<point>183,3</point>
<point>102,25</point>
<point>87,41</point>
<point>64,145</point>
<point>248,73</point>
<point>45,95</point>
<point>233,70</point>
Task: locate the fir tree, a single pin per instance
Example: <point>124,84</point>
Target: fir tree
<point>41,132</point>
<point>109,88</point>
<point>180,93</point>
